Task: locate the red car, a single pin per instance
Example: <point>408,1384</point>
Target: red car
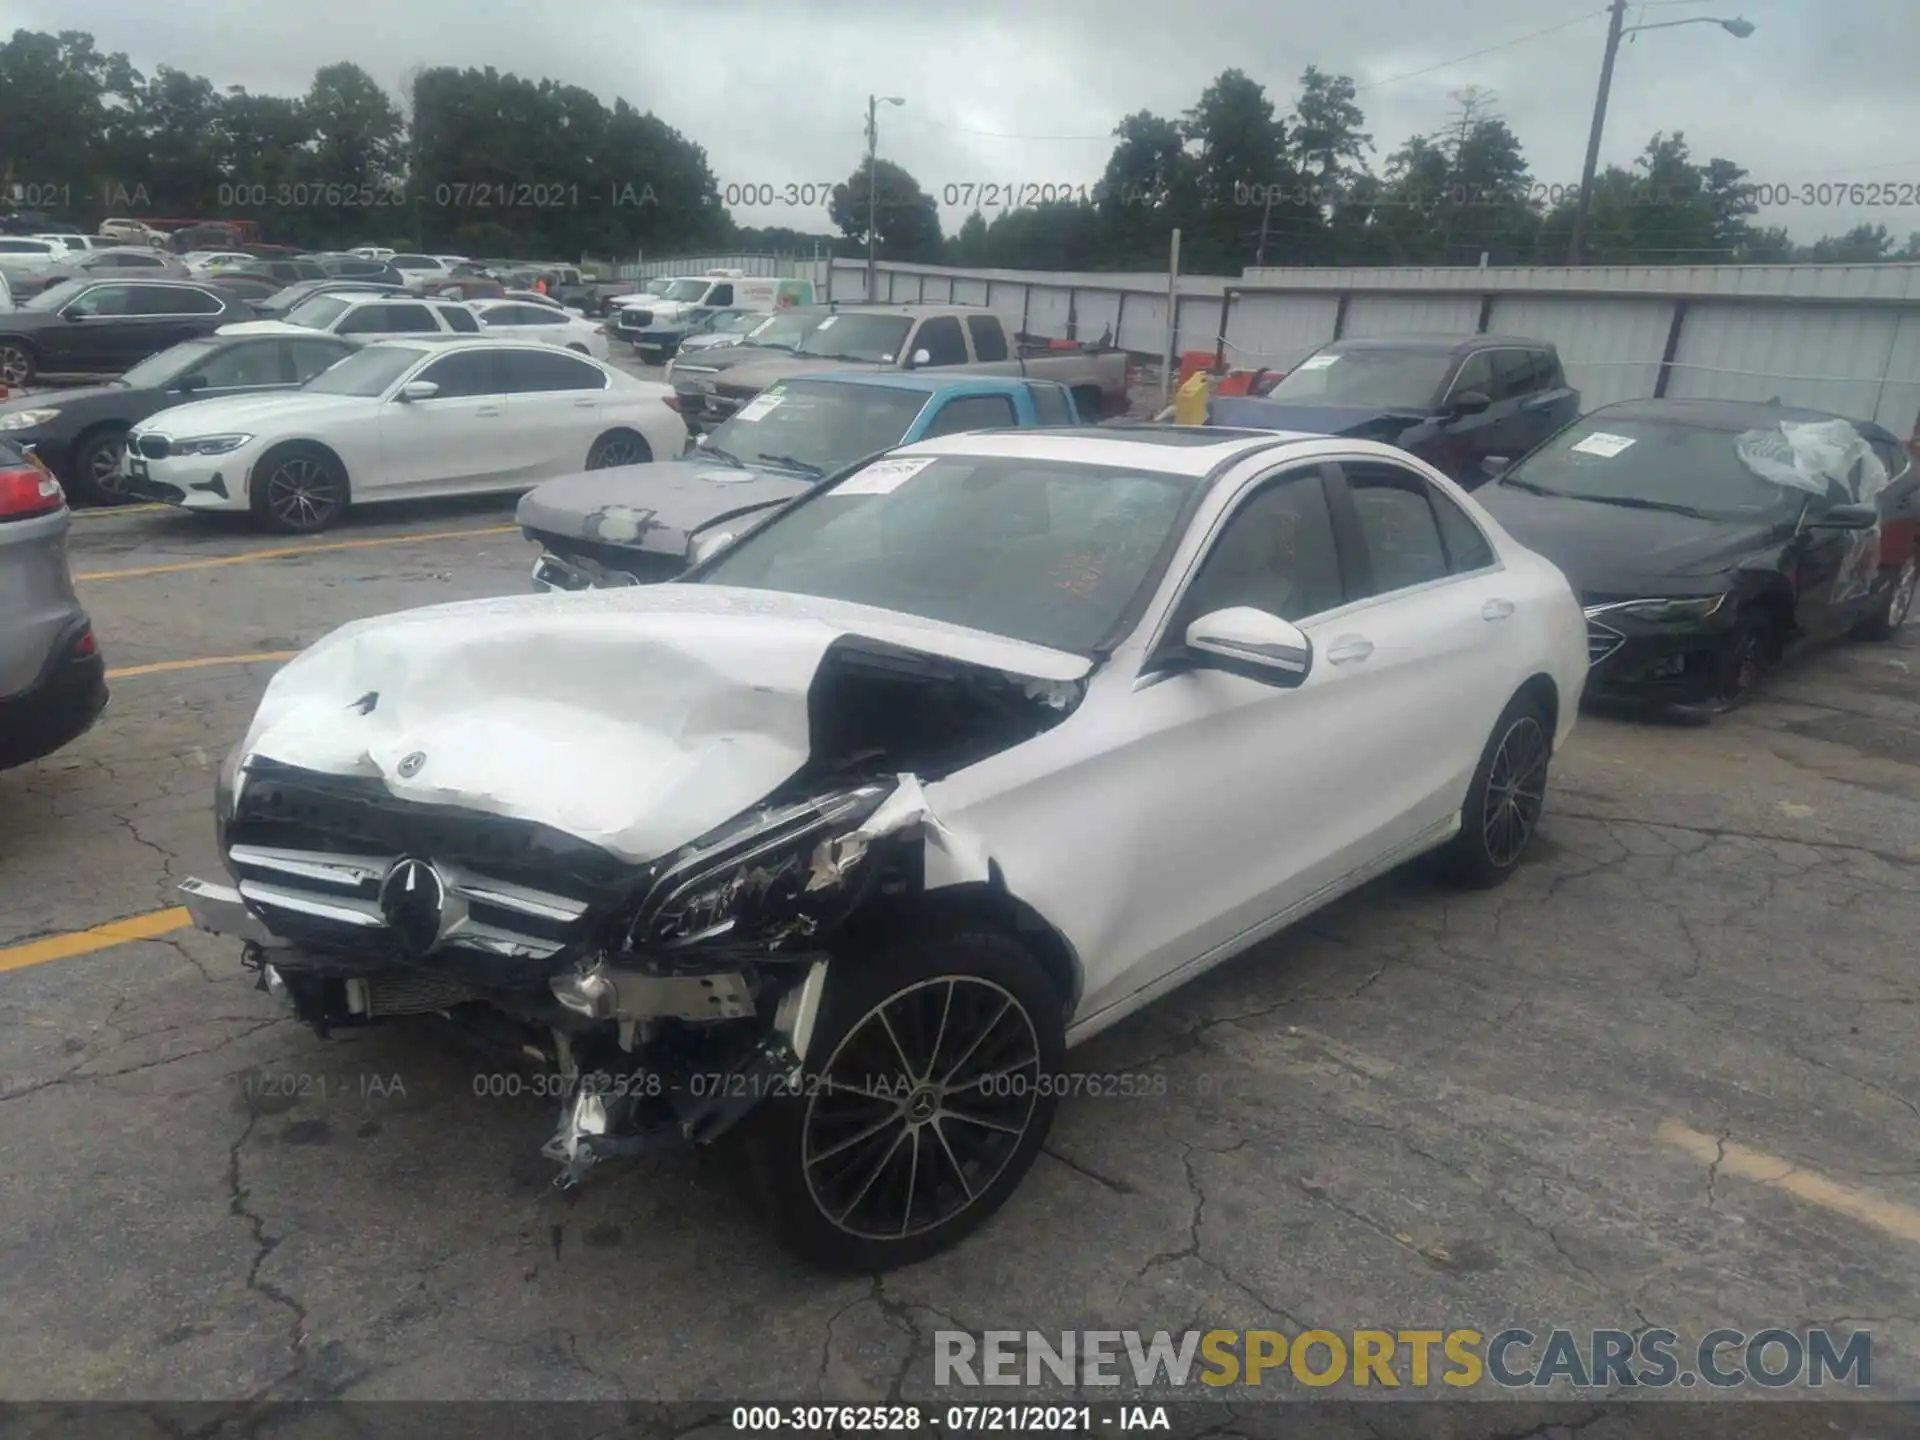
<point>1900,530</point>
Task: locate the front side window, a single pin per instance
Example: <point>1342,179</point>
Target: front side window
<point>105,300</point>
<point>404,319</point>
<point>1050,553</point>
<point>1275,554</point>
<point>460,321</point>
<point>940,337</point>
<point>1476,373</point>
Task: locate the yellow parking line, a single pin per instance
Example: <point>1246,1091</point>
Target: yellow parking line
<point>101,937</point>
<point>127,672</point>
<point>284,551</point>
<point>1888,1216</point>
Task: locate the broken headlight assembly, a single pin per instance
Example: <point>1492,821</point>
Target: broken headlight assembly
<point>1676,610</point>
<point>762,881</point>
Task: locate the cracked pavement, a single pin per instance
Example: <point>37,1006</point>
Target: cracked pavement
<point>1419,1108</point>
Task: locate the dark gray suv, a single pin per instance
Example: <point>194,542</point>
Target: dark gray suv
<point>53,682</point>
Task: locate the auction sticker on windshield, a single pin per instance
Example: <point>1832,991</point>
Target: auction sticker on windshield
<point>1602,444</point>
<point>1316,362</point>
<point>762,406</point>
<point>883,477</point>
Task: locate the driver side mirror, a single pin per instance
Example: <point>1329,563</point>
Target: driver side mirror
<point>1845,517</point>
<point>1494,466</point>
<point>1471,402</point>
<point>187,384</point>
<point>1254,643</point>
<point>922,356</point>
<point>417,390</point>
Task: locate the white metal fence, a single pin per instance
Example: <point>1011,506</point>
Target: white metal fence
<point>1844,338</point>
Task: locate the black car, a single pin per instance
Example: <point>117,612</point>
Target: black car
<point>245,286</point>
<point>1452,402</point>
<point>81,434</point>
<point>102,327</point>
<point>358,267</point>
<point>1704,536</point>
<point>276,305</point>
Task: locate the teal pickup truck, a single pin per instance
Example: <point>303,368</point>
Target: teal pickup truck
<point>642,524</point>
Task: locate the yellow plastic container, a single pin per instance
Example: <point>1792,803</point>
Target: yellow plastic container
<point>1190,401</point>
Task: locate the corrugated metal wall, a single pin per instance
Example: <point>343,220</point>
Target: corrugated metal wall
<point>1747,332</point>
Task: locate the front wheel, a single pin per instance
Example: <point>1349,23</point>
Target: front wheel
<point>100,467</point>
<point>929,1088</point>
<point>1504,801</point>
<point>298,490</point>
<point>17,364</point>
<point>1885,623</point>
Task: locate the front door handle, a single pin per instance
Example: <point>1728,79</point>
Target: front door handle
<point>1496,610</point>
<point>488,410</point>
<point>585,404</point>
<point>1349,648</point>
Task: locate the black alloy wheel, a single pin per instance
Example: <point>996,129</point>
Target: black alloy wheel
<point>920,1107</point>
<point>929,1088</point>
<point>298,491</point>
<point>16,364</point>
<point>621,447</point>
<point>1504,800</point>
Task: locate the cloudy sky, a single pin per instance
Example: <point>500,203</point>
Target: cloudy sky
<point>1020,93</point>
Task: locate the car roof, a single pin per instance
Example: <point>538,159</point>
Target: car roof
<point>1722,414</point>
<point>1439,344</point>
<point>451,344</point>
<point>1191,450</point>
<point>923,380</point>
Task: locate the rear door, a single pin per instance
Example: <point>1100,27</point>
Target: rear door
<point>102,334</point>
<point>457,440</point>
<point>1425,644</point>
<point>553,409</point>
<point>178,312</point>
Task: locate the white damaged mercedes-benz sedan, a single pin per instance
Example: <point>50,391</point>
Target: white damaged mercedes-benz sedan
<point>845,838</point>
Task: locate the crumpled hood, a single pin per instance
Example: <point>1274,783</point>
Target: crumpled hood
<point>635,719</point>
<point>1374,422</point>
<point>651,507</point>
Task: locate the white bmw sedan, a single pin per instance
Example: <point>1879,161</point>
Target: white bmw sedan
<point>950,765</point>
<point>403,420</point>
<point>520,320</point>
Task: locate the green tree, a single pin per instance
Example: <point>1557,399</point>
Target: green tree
<point>1146,190</point>
<point>58,98</point>
<point>905,216</point>
<point>1250,202</point>
<point>1325,143</point>
<point>1861,245</point>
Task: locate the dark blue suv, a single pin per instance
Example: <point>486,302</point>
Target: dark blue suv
<point>1455,403</point>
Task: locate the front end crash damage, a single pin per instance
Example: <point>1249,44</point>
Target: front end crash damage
<point>674,994</point>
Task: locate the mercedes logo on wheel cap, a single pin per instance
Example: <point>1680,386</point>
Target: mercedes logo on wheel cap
<point>410,765</point>
<point>413,898</point>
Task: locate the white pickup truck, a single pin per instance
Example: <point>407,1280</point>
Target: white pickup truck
<point>960,338</point>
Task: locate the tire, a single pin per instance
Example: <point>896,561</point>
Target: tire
<point>1502,809</point>
<point>283,475</point>
<point>1743,660</point>
<point>96,467</point>
<point>896,1178</point>
<point>18,364</point>
<point>618,447</point>
<point>1885,623</point>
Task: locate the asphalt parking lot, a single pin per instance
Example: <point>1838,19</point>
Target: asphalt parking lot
<point>1665,1077</point>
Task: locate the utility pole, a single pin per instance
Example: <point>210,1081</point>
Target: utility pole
<point>1266,214</point>
<point>1616,21</point>
<point>872,189</point>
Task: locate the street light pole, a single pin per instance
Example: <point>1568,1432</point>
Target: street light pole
<point>873,186</point>
<point>1616,28</point>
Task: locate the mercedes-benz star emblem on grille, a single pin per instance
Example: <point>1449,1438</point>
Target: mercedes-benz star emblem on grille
<point>413,898</point>
<point>410,765</point>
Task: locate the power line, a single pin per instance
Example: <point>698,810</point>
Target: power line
<point>1476,54</point>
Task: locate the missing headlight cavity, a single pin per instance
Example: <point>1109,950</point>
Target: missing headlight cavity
<point>875,709</point>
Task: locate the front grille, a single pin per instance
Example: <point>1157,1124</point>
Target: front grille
<point>155,447</point>
<point>635,319</point>
<point>311,854</point>
<point>1602,641</point>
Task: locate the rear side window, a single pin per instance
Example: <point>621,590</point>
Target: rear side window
<point>533,371</point>
<point>1050,405</point>
<point>405,319</point>
<point>367,320</point>
<point>972,412</point>
<point>1398,527</point>
<point>461,320</point>
<point>940,337</point>
<point>1515,373</point>
<point>989,340</point>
